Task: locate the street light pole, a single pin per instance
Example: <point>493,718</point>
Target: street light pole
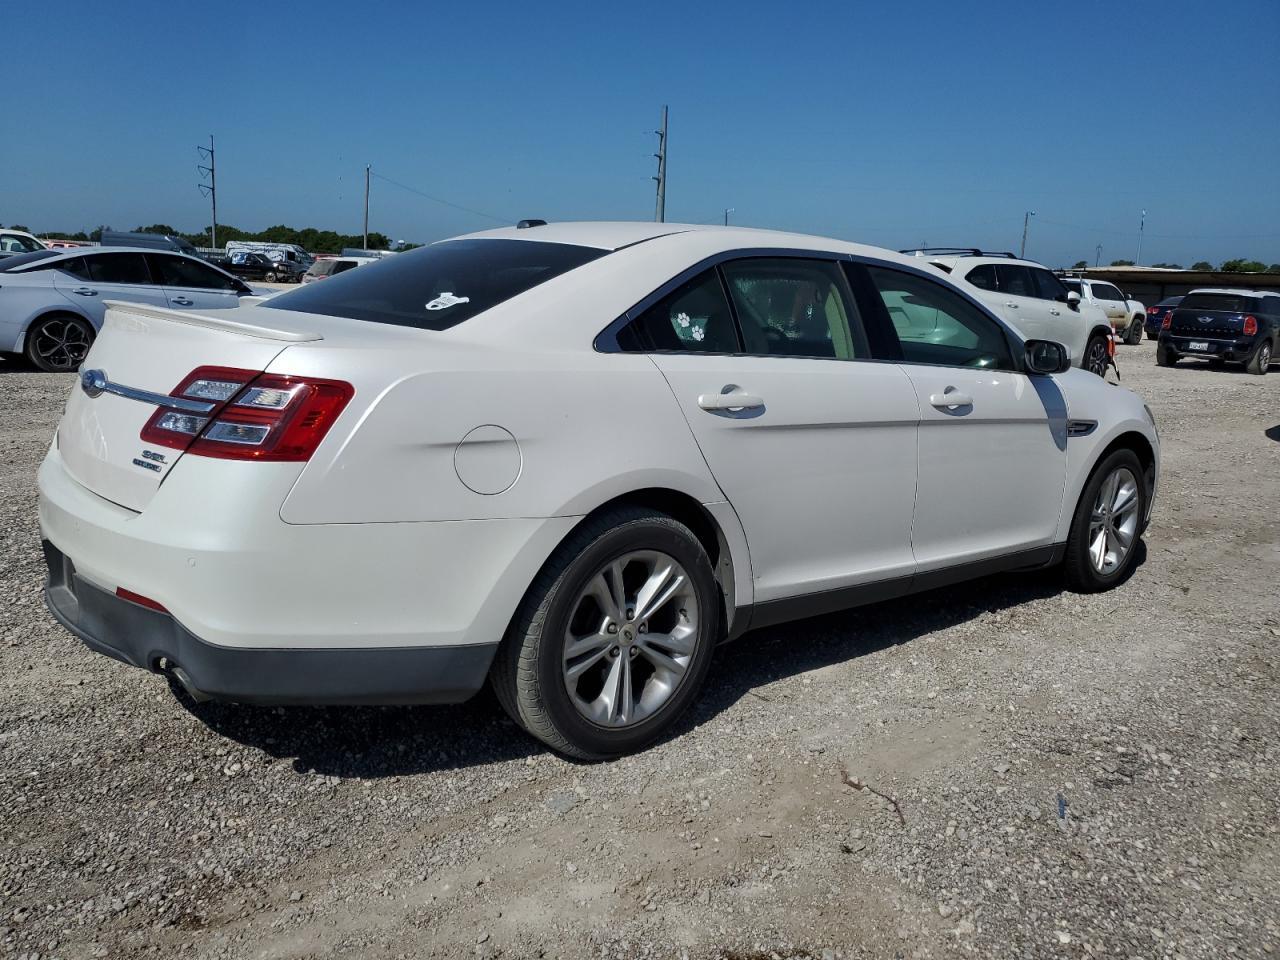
<point>1026,220</point>
<point>727,211</point>
<point>366,206</point>
<point>1097,255</point>
<point>1142,226</point>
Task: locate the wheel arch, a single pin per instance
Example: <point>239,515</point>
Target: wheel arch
<point>20,344</point>
<point>1146,454</point>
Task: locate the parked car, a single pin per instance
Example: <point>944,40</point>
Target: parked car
<point>14,242</point>
<point>251,266</point>
<point>332,266</point>
<point>149,241</point>
<point>1032,299</point>
<point>1221,326</point>
<point>1127,316</point>
<point>52,302</point>
<point>290,259</point>
<point>572,462</point>
<point>1156,313</point>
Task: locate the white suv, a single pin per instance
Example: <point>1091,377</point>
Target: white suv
<point>1127,317</point>
<point>1032,299</point>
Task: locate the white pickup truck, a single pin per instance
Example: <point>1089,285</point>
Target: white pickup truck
<point>1127,316</point>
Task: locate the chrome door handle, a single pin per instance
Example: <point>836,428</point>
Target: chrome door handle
<point>1010,303</point>
<point>85,292</point>
<point>950,399</point>
<point>1054,312</point>
<point>183,301</point>
<point>735,400</point>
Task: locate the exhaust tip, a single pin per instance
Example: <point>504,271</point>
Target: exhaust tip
<point>194,692</point>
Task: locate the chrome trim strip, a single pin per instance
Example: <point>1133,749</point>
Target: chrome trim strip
<point>95,382</point>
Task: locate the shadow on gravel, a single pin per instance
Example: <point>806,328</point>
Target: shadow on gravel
<point>374,742</point>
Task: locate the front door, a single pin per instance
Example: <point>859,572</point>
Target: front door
<point>99,277</point>
<point>992,440</point>
<point>812,441</point>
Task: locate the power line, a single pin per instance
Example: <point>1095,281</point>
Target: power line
<point>441,200</point>
<point>210,189</point>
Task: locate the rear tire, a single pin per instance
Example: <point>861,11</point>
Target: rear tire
<point>1133,335</point>
<point>637,671</point>
<point>58,343</point>
<point>1261,359</point>
<point>1165,357</point>
<point>1102,545</point>
<point>1095,355</point>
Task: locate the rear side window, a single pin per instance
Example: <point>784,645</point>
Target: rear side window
<point>439,286</point>
<point>795,308</point>
<point>342,266</point>
<point>118,268</point>
<point>693,318</point>
<point>983,276</point>
<point>1227,302</point>
<point>22,259</point>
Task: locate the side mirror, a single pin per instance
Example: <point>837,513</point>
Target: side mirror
<point>1073,299</point>
<point>1046,356</point>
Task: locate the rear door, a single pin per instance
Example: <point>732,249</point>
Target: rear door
<point>98,277</point>
<point>992,441</point>
<point>190,284</point>
<point>811,440</point>
<point>1020,300</point>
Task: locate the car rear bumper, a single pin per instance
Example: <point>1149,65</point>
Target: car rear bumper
<point>147,638</point>
<point>1234,349</point>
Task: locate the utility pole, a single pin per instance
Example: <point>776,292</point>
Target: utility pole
<point>1025,221</point>
<point>366,206</point>
<point>727,211</point>
<point>1097,255</point>
<point>210,189</point>
<point>1142,226</point>
<point>660,213</point>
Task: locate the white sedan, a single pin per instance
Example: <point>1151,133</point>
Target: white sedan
<point>570,459</point>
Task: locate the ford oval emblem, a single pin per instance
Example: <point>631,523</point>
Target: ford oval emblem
<point>93,382</point>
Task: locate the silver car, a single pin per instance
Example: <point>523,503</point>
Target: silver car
<point>52,302</point>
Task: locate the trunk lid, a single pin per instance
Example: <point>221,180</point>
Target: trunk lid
<point>1212,315</point>
<point>148,350</point>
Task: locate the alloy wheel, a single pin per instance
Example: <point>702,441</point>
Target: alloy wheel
<point>1095,360</point>
<point>1113,525</point>
<point>60,344</point>
<point>631,637</point>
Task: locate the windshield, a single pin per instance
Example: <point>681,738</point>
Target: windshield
<point>15,243</point>
<point>439,286</point>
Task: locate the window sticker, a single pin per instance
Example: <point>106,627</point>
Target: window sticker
<point>446,300</point>
<point>690,328</point>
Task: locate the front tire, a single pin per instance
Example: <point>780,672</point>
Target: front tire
<point>614,638</point>
<point>1261,359</point>
<point>1095,355</point>
<point>1165,357</point>
<point>1133,335</point>
<point>58,343</point>
<point>1102,545</point>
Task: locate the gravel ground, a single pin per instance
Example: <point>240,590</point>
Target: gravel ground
<point>1000,769</point>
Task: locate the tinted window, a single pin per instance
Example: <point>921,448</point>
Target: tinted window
<point>795,308</point>
<point>321,268</point>
<point>1015,279</point>
<point>1232,303</point>
<point>118,268</point>
<point>14,243</point>
<point>1048,287</point>
<point>1105,291</point>
<point>75,266</point>
<point>21,259</point>
<point>694,317</point>
<point>1169,302</point>
<point>983,276</point>
<point>181,272</point>
<point>439,286</point>
<point>934,325</point>
<point>342,266</point>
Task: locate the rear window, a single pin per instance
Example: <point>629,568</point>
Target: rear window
<point>439,286</point>
<point>22,259</point>
<point>1228,302</point>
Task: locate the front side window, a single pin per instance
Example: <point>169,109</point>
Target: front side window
<point>1015,280</point>
<point>693,318</point>
<point>181,272</point>
<point>937,326</point>
<point>438,286</point>
<point>1104,291</point>
<point>118,268</point>
<point>795,308</point>
<point>1048,287</point>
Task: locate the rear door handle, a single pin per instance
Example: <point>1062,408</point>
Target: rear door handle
<point>85,292</point>
<point>182,301</point>
<point>734,400</point>
<point>950,399</point>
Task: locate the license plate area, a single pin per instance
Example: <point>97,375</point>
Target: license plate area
<point>1201,345</point>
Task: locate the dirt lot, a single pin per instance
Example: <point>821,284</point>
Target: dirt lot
<point>1045,775</point>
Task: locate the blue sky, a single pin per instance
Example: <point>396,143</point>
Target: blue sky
<point>892,124</point>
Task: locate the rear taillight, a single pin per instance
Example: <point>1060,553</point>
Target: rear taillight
<point>1167,321</point>
<point>256,416</point>
<point>1250,326</point>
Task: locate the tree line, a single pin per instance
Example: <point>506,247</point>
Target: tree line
<point>309,238</point>
<point>1228,266</point>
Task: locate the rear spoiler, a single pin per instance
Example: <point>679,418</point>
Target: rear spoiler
<point>210,321</point>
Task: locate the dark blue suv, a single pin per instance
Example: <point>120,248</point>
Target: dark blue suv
<point>1239,326</point>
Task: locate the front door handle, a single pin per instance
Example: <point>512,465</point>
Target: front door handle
<point>734,400</point>
<point>85,292</point>
<point>1053,311</point>
<point>950,399</point>
<point>182,301</point>
<point>1011,303</point>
